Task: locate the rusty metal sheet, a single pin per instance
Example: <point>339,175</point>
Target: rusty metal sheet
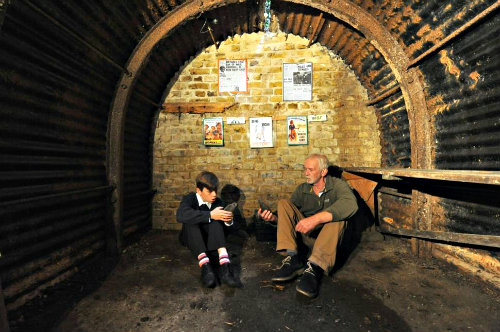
<point>394,209</point>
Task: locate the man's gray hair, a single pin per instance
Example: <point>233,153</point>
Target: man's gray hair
<point>321,158</point>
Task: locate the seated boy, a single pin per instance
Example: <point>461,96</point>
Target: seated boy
<point>203,219</point>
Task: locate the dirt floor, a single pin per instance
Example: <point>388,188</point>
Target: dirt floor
<point>156,286</point>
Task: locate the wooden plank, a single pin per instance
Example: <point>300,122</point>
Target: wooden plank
<point>364,187</point>
<point>196,108</point>
<point>464,238</point>
<point>483,177</point>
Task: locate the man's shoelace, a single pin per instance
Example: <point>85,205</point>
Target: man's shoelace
<point>309,269</point>
<point>286,261</point>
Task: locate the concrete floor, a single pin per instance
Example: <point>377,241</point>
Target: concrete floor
<point>156,287</point>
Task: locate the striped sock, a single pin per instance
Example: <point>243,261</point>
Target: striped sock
<point>223,256</point>
<point>203,259</point>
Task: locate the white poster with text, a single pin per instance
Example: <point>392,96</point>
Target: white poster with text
<point>232,76</point>
<point>297,81</point>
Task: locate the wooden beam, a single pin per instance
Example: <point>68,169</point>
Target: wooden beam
<point>464,238</point>
<point>482,177</point>
<point>196,108</point>
<point>383,96</point>
<point>316,26</point>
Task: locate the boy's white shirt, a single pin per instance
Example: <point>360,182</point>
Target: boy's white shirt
<point>201,201</point>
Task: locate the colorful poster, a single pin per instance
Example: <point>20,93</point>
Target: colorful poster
<point>232,76</point>
<point>297,81</point>
<point>213,132</point>
<point>261,132</point>
<point>297,130</point>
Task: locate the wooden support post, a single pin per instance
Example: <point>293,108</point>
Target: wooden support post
<point>421,207</point>
<point>4,322</point>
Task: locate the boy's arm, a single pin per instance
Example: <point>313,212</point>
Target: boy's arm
<point>188,214</point>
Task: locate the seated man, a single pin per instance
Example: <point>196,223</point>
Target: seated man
<point>315,215</point>
<point>203,219</point>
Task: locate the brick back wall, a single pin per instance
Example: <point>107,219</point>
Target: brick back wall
<point>349,137</point>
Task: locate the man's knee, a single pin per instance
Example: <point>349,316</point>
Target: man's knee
<point>284,202</point>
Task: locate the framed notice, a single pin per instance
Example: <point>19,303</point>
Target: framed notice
<point>297,130</point>
<point>261,132</point>
<point>213,132</point>
<point>297,81</point>
<point>232,76</point>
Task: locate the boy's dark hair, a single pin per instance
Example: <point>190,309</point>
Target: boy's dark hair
<point>207,180</point>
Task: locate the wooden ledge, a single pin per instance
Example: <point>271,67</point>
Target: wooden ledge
<point>196,108</point>
<point>482,177</point>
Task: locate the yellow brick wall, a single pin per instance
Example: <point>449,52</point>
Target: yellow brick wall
<point>349,137</point>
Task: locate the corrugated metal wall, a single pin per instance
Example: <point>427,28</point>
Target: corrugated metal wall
<point>393,118</point>
<point>53,197</point>
<point>466,81</point>
<point>461,81</point>
<point>59,62</point>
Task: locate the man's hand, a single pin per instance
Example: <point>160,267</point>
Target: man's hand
<point>267,215</point>
<point>306,225</point>
<point>219,214</point>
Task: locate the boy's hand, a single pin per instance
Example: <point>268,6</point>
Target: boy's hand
<point>219,214</point>
<point>267,215</point>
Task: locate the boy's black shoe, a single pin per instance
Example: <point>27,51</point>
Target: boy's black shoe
<point>291,267</point>
<point>208,276</point>
<point>227,276</point>
<point>310,281</point>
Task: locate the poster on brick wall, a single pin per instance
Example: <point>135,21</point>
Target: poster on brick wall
<point>297,130</point>
<point>261,132</point>
<point>297,81</point>
<point>232,75</point>
<point>213,132</point>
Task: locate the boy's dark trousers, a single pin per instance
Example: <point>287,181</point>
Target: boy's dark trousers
<point>203,237</point>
